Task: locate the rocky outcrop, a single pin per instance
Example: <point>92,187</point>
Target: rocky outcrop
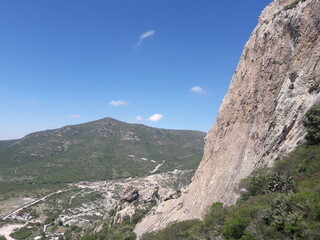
<point>145,193</point>
<point>130,194</point>
<point>260,119</point>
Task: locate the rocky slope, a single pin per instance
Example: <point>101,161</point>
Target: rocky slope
<point>89,205</point>
<point>260,119</point>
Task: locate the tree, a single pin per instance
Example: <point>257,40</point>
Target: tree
<point>312,123</point>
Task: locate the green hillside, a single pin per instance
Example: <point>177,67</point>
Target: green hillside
<point>4,144</point>
<point>99,150</point>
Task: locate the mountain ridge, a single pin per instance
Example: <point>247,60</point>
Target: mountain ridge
<point>98,150</point>
<point>93,121</point>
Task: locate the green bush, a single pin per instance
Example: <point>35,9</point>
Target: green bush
<point>293,76</point>
<point>112,212</point>
<point>216,215</point>
<point>119,231</point>
<point>262,182</point>
<point>312,123</point>
<point>238,220</point>
<point>138,215</point>
<point>22,233</point>
<point>254,185</point>
<point>187,230</point>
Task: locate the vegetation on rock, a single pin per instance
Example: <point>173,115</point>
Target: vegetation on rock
<point>119,231</point>
<point>292,5</point>
<point>312,124</point>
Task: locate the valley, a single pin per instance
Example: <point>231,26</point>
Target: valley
<point>82,207</point>
<point>65,182</point>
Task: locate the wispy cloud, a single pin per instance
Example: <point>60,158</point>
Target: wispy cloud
<point>199,90</point>
<point>144,36</point>
<point>139,118</point>
<point>117,103</point>
<point>74,116</point>
<point>155,117</point>
<point>30,102</point>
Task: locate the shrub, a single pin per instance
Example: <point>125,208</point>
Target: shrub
<point>21,233</point>
<point>138,215</point>
<point>216,215</point>
<point>235,226</point>
<point>312,123</point>
<point>186,230</point>
<point>279,182</point>
<point>262,183</point>
<point>112,212</point>
<point>293,76</point>
<point>284,215</point>
<point>254,185</point>
<point>292,5</point>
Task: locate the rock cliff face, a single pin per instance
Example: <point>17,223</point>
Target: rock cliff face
<point>260,119</point>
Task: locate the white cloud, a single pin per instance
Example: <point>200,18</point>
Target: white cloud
<point>199,90</point>
<point>139,118</point>
<point>144,36</point>
<point>155,117</point>
<point>116,103</point>
<point>74,116</point>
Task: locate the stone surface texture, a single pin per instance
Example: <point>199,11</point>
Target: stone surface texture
<point>261,116</point>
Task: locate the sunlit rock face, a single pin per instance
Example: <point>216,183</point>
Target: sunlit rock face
<point>260,119</point>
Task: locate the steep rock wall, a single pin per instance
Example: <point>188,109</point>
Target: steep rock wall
<point>260,119</point>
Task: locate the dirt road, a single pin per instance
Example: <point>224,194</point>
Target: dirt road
<point>30,204</point>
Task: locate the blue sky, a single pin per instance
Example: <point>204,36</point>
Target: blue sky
<point>165,63</point>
